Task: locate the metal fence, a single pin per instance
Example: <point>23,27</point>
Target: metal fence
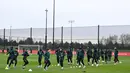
<point>79,34</point>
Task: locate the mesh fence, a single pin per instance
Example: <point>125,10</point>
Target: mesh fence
<point>79,34</point>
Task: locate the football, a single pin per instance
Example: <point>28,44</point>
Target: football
<point>30,70</point>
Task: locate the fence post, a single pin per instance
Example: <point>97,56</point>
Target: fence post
<point>98,34</point>
<point>4,41</point>
<point>31,32</point>
<point>62,37</point>
<point>31,35</point>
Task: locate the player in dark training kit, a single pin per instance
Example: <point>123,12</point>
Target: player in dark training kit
<point>40,53</point>
<point>69,55</point>
<point>102,55</point>
<point>89,55</point>
<point>77,53</point>
<point>95,57</point>
<point>57,52</point>
<point>106,56</point>
<point>15,57</point>
<point>61,58</point>
<point>10,58</point>
<point>47,59</point>
<point>9,53</point>
<point>7,50</point>
<point>25,55</point>
<point>109,55</point>
<point>81,58</point>
<point>116,56</point>
<point>99,54</point>
<point>30,50</point>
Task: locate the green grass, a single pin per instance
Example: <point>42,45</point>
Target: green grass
<point>124,67</point>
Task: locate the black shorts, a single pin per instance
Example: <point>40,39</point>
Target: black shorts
<point>9,57</point>
<point>116,57</point>
<point>24,58</point>
<point>15,58</point>
<point>69,56</point>
<point>46,61</point>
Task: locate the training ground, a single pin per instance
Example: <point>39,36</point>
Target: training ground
<point>123,67</point>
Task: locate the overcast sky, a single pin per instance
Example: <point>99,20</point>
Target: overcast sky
<point>31,13</point>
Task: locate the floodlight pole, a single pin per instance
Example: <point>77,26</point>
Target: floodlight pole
<point>46,31</point>
<point>71,22</point>
<point>53,24</point>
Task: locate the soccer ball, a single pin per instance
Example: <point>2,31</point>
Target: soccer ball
<point>120,62</point>
<point>30,70</point>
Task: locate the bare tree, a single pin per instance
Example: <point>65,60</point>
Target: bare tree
<point>125,39</point>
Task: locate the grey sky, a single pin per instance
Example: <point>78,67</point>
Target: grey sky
<point>31,13</point>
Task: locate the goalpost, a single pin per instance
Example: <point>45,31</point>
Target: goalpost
<point>29,47</point>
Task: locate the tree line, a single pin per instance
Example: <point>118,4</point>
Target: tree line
<point>122,43</point>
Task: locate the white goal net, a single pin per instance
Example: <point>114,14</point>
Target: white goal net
<point>22,48</point>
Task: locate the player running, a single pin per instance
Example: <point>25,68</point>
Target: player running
<point>30,50</point>
<point>57,52</point>
<point>15,57</point>
<point>61,58</point>
<point>116,56</point>
<point>25,55</point>
<point>40,53</point>
<point>81,57</point>
<point>10,58</point>
<point>99,54</point>
<point>102,55</point>
<point>69,55</point>
<point>106,56</point>
<point>47,59</point>
<point>109,55</point>
<point>77,53</point>
<point>7,50</point>
<point>89,55</point>
<point>95,57</point>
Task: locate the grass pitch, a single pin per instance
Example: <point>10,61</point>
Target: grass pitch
<point>124,67</point>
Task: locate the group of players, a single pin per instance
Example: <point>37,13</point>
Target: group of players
<point>103,55</point>
<point>93,55</point>
<point>13,54</point>
<point>12,58</point>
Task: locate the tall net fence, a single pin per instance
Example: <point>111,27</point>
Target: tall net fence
<point>79,34</point>
<point>116,34</point>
